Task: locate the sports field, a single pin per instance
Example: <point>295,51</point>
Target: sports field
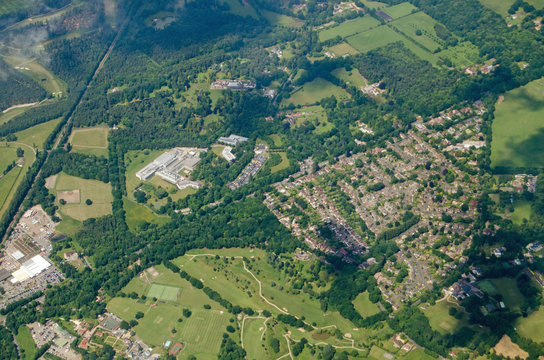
<point>531,326</point>
<point>400,10</point>
<point>77,191</point>
<point>352,77</point>
<point>364,306</point>
<point>163,292</point>
<point>314,91</point>
<point>90,141</point>
<point>409,24</point>
<point>518,128</point>
<point>348,28</point>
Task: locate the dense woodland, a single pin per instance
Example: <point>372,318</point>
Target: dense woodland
<point>17,88</point>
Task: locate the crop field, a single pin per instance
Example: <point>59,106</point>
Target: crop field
<point>461,55</point>
<point>499,6</point>
<point>348,28</point>
<point>90,141</point>
<point>531,326</point>
<point>518,128</point>
<point>352,77</point>
<point>36,135</point>
<point>163,292</point>
<point>439,318</point>
<point>314,91</point>
<point>400,10</point>
<point>408,25</point>
<point>342,49</point>
<point>98,192</point>
<point>364,306</point>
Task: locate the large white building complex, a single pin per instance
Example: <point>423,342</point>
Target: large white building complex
<point>168,166</point>
<point>232,140</point>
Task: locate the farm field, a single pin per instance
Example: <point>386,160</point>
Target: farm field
<point>137,214</point>
<point>531,326</point>
<point>419,21</point>
<point>400,10</point>
<point>90,141</point>
<point>518,128</point>
<point>364,306</point>
<point>342,49</point>
<point>509,349</point>
<point>348,28</point>
<point>352,77</point>
<point>440,319</point>
<point>76,191</point>
<point>45,78</point>
<point>374,38</point>
<point>314,91</point>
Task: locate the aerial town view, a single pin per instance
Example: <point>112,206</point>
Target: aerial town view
<point>271,179</point>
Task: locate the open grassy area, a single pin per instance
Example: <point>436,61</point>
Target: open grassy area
<point>352,77</point>
<point>461,55</point>
<point>508,288</point>
<point>137,214</point>
<point>7,116</point>
<point>348,28</point>
<point>280,19</point>
<point>400,10</point>
<point>531,326</point>
<point>244,9</point>
<point>253,329</point>
<point>409,24</point>
<point>342,49</point>
<point>522,210</point>
<point>374,38</point>
<point>26,344</point>
<point>8,154</point>
<point>440,319</point>
<point>284,164</point>
<point>98,192</point>
<point>163,292</point>
<point>499,6</point>
<point>10,181</point>
<point>518,128</point>
<point>90,141</point>
<point>45,78</point>
<point>314,91</point>
<point>364,306</point>
<point>373,4</point>
<point>35,136</point>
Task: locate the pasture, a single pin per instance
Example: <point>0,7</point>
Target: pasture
<point>531,326</point>
<point>364,306</point>
<point>400,10</point>
<point>518,128</point>
<point>314,91</point>
<point>35,136</point>
<point>98,192</point>
<point>343,49</point>
<point>348,28</point>
<point>440,319</point>
<point>90,141</point>
<point>409,24</point>
<point>352,77</point>
<point>374,38</point>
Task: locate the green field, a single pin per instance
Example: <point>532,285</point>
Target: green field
<point>348,28</point>
<point>26,343</point>
<point>342,49</point>
<point>522,210</point>
<point>440,319</point>
<point>253,328</point>
<point>461,55</point>
<point>90,141</point>
<point>8,154</point>
<point>499,6</point>
<point>237,8</point>
<point>373,4</point>
<point>35,136</point>
<point>352,77</point>
<point>400,10</point>
<point>163,292</point>
<point>38,73</point>
<point>314,91</point>
<point>531,326</point>
<point>98,192</point>
<point>284,164</point>
<point>364,306</point>
<point>137,214</point>
<point>419,21</point>
<point>7,116</point>
<point>518,128</point>
<point>507,287</point>
<point>374,38</point>
<point>10,181</point>
<point>280,19</point>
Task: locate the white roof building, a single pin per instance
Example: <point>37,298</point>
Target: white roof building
<point>30,268</point>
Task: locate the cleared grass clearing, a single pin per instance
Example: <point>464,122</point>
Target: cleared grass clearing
<point>98,192</point>
<point>440,319</point>
<point>348,28</point>
<point>281,20</point>
<point>24,339</point>
<point>7,156</point>
<point>373,4</point>
<point>38,73</point>
<point>10,181</point>
<point>314,91</point>
<point>522,211</point>
<point>7,116</point>
<point>364,306</point>
<point>409,24</point>
<point>343,49</point>
<point>508,288</point>
<point>137,214</point>
<point>531,326</point>
<point>518,128</point>
<point>374,38</point>
<point>35,136</point>
<point>90,141</point>
<point>352,77</point>
<point>499,6</point>
<point>284,164</point>
<point>461,55</point>
<point>242,9</point>
<point>400,10</point>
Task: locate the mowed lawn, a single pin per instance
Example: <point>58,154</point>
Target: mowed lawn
<point>314,91</point>
<point>348,28</point>
<point>364,306</point>
<point>531,327</point>
<point>374,38</point>
<point>400,10</point>
<point>253,330</point>
<point>518,128</point>
<point>284,164</point>
<point>90,141</point>
<point>352,77</point>
<point>98,192</point>
<point>507,287</point>
<point>440,319</point>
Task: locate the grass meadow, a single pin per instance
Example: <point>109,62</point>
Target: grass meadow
<point>24,339</point>
<point>36,135</point>
<point>400,10</point>
<point>348,28</point>
<point>90,141</point>
<point>409,24</point>
<point>531,326</point>
<point>342,49</point>
<point>10,181</point>
<point>499,6</point>
<point>352,77</point>
<point>440,319</point>
<point>364,306</point>
<point>284,164</point>
<point>518,128</point>
<point>314,91</point>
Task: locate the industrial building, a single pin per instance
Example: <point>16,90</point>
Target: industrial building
<point>232,140</point>
<point>227,154</point>
<point>30,268</point>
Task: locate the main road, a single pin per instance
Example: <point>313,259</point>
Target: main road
<point>66,126</point>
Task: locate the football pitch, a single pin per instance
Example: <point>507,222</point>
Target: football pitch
<point>162,292</point>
